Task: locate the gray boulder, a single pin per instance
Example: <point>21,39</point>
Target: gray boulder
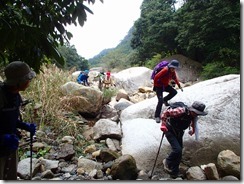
<point>219,130</point>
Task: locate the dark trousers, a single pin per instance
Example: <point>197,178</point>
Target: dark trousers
<point>175,139</point>
<point>159,92</point>
<point>8,167</point>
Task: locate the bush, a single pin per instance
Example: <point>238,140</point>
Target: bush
<point>217,69</point>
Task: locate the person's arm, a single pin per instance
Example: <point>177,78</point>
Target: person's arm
<point>79,79</point>
<point>193,128</point>
<point>175,78</point>
<point>87,81</point>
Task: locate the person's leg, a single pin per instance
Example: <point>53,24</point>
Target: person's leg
<point>8,167</point>
<point>2,166</point>
<point>159,93</point>
<point>11,167</point>
<point>172,92</point>
<point>174,158</point>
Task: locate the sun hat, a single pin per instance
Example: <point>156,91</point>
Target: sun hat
<point>17,72</point>
<point>174,64</point>
<point>198,108</point>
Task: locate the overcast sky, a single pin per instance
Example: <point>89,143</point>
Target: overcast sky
<point>104,29</point>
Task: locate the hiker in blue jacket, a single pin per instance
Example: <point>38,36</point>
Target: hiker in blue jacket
<point>18,77</point>
<point>83,78</point>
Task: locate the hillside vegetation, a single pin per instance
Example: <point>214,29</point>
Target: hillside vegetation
<point>207,32</point>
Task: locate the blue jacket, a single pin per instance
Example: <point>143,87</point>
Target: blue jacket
<point>83,79</point>
<point>10,117</point>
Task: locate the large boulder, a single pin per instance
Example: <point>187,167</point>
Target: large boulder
<point>132,78</point>
<point>83,99</point>
<point>124,168</point>
<point>219,130</point>
<point>189,70</point>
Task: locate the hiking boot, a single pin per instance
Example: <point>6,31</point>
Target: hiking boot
<point>157,119</point>
<point>174,176</point>
<point>166,167</point>
<point>166,103</point>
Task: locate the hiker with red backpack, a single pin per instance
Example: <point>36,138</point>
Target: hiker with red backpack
<point>175,120</point>
<point>161,82</point>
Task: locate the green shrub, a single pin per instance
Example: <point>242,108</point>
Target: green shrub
<point>108,94</point>
<point>217,69</point>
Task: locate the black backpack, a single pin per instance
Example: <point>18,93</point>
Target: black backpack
<point>182,122</point>
<point>178,104</point>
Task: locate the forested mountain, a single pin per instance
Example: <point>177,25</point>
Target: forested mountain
<point>205,31</point>
<point>72,58</point>
<point>115,57</point>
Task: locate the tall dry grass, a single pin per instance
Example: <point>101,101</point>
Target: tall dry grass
<point>45,109</point>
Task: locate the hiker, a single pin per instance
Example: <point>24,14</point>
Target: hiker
<point>18,77</point>
<point>108,81</point>
<point>174,122</point>
<point>108,75</point>
<point>161,84</point>
<point>83,78</point>
<point>101,78</point>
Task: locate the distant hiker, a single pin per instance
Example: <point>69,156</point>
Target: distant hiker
<point>174,122</point>
<point>161,83</point>
<point>83,78</point>
<point>101,78</point>
<point>18,77</point>
<point>108,80</point>
<point>108,75</point>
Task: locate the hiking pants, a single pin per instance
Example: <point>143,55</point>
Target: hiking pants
<point>159,92</point>
<point>176,141</point>
<point>8,167</point>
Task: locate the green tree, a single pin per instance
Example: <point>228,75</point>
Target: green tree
<point>72,58</point>
<point>203,30</point>
<point>210,30</point>
<point>155,29</point>
<point>33,30</point>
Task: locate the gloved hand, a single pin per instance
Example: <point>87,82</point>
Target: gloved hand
<point>191,132</point>
<point>31,127</point>
<point>180,88</point>
<point>11,141</point>
<point>164,128</point>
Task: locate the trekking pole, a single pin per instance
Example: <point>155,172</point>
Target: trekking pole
<point>157,156</point>
<point>31,144</point>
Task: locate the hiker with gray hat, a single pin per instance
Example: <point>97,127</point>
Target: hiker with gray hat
<point>174,122</point>
<point>18,77</point>
<point>161,84</point>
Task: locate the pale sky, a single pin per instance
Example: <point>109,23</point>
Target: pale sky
<point>109,24</point>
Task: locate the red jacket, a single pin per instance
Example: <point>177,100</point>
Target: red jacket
<point>163,78</point>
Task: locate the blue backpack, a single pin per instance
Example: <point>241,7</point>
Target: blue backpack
<point>158,68</point>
